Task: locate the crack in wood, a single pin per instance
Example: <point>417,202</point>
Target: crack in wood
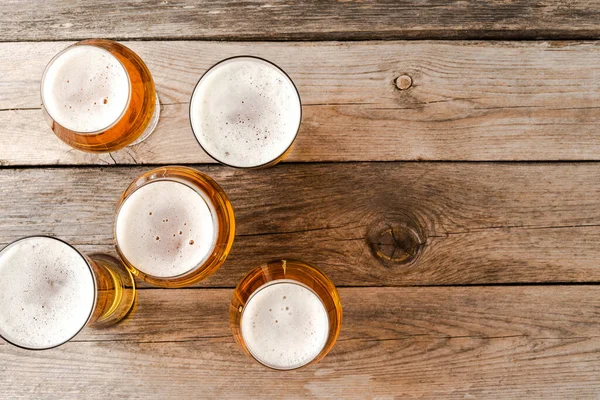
<point>297,231</point>
<point>112,158</point>
<point>21,109</point>
<point>475,337</point>
<point>516,227</point>
<point>341,340</point>
<point>195,339</point>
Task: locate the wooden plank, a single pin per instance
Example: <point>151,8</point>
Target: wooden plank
<point>478,342</point>
<point>364,223</point>
<point>469,101</point>
<point>303,20</point>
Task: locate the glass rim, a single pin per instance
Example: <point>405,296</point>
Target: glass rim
<point>60,53</point>
<point>238,303</point>
<point>200,264</point>
<point>266,164</point>
<point>218,204</point>
<point>277,282</point>
<point>90,269</point>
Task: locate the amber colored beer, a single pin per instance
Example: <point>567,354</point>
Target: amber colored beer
<point>73,81</point>
<point>115,290</point>
<point>49,291</point>
<point>174,226</point>
<point>286,314</point>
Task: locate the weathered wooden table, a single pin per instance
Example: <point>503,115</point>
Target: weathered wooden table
<point>458,215</point>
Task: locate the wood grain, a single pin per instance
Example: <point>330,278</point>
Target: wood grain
<point>477,342</point>
<point>381,231</point>
<point>365,224</point>
<point>299,20</point>
<point>472,101</point>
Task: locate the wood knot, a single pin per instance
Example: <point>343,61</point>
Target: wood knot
<point>396,243</point>
<point>403,82</point>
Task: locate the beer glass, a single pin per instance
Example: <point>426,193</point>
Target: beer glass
<point>174,226</point>
<point>49,291</point>
<point>99,96</point>
<point>286,314</point>
<point>245,112</point>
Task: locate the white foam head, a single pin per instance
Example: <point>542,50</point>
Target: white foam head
<point>284,324</point>
<point>245,112</point>
<point>85,89</point>
<point>47,292</point>
<point>166,229</point>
